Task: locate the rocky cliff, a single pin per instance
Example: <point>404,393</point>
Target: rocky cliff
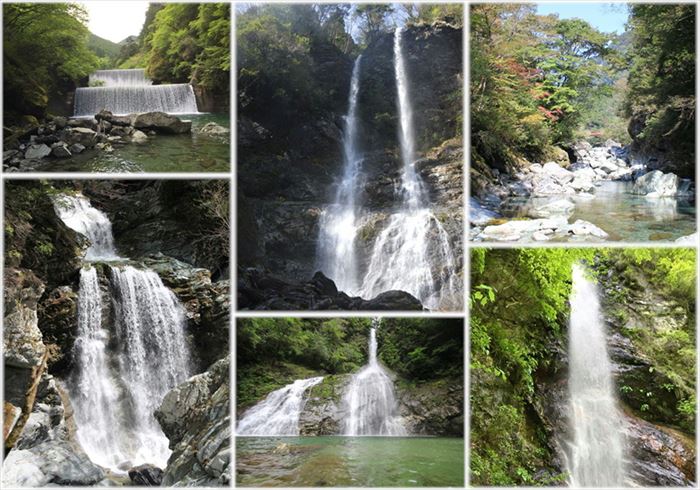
<point>286,180</point>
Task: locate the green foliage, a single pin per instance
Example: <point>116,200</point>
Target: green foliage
<point>45,48</point>
<point>661,96</point>
<point>103,48</point>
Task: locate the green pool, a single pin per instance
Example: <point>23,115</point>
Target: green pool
<point>336,461</point>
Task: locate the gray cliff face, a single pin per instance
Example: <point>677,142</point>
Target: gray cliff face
<point>195,416</point>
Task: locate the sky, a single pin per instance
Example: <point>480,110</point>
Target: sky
<point>605,17</point>
<point>116,20</point>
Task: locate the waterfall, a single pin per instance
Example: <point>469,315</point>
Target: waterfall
<point>95,393</point>
<point>278,414</point>
<point>369,399</point>
<point>125,363</point>
<point>119,78</point>
<point>172,98</point>
<point>596,456</point>
<point>79,215</point>
<point>339,222</point>
<point>413,252</point>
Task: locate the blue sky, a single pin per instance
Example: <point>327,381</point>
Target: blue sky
<point>606,17</point>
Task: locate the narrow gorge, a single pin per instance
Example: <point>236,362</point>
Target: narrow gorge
<point>583,367</point>
<point>350,402</point>
<point>115,341</point>
<point>375,195</point>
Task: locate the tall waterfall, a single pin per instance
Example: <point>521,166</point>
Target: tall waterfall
<point>412,252</point>
<point>278,414</point>
<point>119,78</point>
<point>369,399</point>
<point>126,362</point>
<point>78,214</point>
<point>339,222</point>
<point>596,456</point>
<point>129,91</point>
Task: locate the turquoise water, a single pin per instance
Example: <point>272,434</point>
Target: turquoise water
<point>336,461</point>
<point>621,214</point>
<point>193,152</point>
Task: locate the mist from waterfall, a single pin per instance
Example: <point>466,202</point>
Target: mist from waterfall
<point>596,452</point>
<point>412,252</point>
<point>339,222</point>
<point>130,350</point>
<point>369,399</point>
<point>279,413</point>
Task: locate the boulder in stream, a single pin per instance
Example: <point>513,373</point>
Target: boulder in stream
<point>161,123</point>
<point>656,184</point>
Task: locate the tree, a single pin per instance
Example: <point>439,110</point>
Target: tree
<point>373,20</point>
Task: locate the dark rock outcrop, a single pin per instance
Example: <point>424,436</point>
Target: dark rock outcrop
<point>432,408</point>
<point>258,290</point>
<point>195,416</point>
<point>146,475</point>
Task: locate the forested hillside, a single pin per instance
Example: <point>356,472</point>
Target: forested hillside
<point>540,83</point>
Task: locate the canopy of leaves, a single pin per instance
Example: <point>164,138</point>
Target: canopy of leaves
<point>45,50</point>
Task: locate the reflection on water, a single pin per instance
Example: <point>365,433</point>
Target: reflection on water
<point>624,216</point>
<point>349,461</point>
<point>193,152</point>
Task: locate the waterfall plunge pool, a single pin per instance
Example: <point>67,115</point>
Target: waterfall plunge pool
<point>339,461</point>
<point>194,152</point>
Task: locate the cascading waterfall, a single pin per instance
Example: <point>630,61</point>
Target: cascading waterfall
<point>119,78</point>
<point>278,414</point>
<point>79,215</point>
<point>412,253</point>
<point>339,222</point>
<point>129,91</point>
<point>122,373</point>
<point>369,399</point>
<point>596,452</point>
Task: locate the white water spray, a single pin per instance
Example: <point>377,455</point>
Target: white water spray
<point>369,399</point>
<point>79,215</point>
<point>278,414</point>
<point>119,78</point>
<point>596,456</point>
<point>339,222</point>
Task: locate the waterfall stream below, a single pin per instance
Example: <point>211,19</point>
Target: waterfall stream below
<point>129,91</point>
<point>130,348</point>
<point>413,252</point>
<point>596,451</point>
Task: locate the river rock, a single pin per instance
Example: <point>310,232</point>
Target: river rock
<point>83,136</point>
<point>161,122</point>
<point>89,123</point>
<point>688,240</point>
<point>213,129</point>
<point>146,475</point>
<point>521,229</point>
<point>49,464</point>
<point>559,174</point>
<point>583,228</point>
<point>139,137</point>
<point>195,416</point>
<point>656,184</point>
<point>76,148</point>
<point>559,207</point>
<point>35,152</point>
<point>60,150</point>
<point>121,131</point>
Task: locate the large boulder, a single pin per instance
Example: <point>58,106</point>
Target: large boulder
<point>83,136</point>
<point>35,152</point>
<point>195,417</point>
<point>161,123</point>
<point>656,184</point>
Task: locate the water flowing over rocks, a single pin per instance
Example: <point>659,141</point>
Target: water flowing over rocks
<point>539,191</point>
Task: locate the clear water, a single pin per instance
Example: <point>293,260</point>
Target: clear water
<point>350,461</point>
<point>193,152</point>
<point>624,216</point>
